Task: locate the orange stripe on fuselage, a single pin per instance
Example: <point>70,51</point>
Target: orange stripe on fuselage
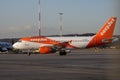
<point>40,39</point>
<point>45,40</point>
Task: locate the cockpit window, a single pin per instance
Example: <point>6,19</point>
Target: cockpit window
<point>19,41</point>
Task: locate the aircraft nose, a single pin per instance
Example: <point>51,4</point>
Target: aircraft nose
<point>18,45</point>
<point>14,45</point>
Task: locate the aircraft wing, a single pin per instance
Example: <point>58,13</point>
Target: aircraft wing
<point>62,45</point>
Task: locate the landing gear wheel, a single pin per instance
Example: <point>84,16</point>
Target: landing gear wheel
<point>62,53</point>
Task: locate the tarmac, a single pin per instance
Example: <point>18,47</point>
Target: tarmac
<point>83,64</point>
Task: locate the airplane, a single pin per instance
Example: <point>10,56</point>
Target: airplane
<point>5,46</point>
<point>63,45</point>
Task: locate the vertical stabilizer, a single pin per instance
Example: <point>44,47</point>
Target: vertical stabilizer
<point>108,28</point>
<point>104,35</point>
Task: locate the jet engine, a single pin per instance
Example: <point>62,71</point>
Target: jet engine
<point>46,50</point>
<point>49,49</point>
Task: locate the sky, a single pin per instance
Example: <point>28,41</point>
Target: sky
<point>19,18</point>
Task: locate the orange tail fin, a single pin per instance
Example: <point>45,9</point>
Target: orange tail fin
<point>105,34</point>
<point>108,28</point>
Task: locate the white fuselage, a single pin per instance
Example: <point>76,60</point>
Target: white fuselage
<point>78,42</point>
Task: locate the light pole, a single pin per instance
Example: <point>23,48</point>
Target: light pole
<point>39,19</point>
<point>61,24</point>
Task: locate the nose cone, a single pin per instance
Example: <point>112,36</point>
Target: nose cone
<point>15,46</point>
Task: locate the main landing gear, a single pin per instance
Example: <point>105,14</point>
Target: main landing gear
<point>62,53</point>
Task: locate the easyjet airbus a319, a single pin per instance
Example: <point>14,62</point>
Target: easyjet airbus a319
<point>63,45</point>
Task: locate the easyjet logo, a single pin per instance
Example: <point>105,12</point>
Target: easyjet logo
<point>37,40</point>
<point>107,27</point>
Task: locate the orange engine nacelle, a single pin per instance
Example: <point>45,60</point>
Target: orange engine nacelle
<point>45,50</point>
